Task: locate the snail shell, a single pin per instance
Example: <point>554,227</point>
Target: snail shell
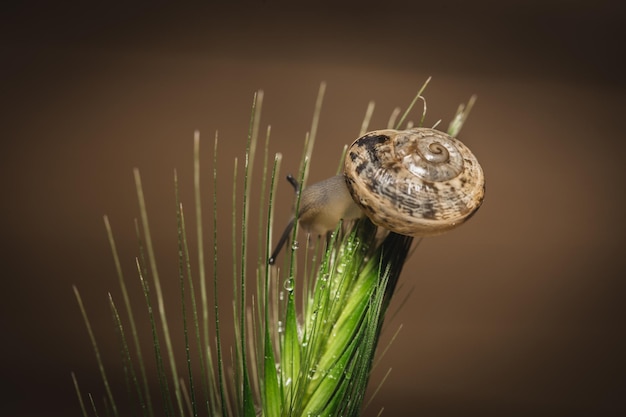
<point>416,182</point>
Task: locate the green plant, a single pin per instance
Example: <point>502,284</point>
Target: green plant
<point>311,357</point>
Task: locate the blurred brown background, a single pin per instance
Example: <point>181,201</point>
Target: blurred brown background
<point>520,312</point>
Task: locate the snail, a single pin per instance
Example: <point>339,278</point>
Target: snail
<point>416,182</point>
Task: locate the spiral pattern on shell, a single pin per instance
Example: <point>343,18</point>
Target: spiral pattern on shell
<point>416,182</point>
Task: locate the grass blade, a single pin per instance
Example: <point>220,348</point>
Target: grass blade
<point>126,358</point>
<point>271,394</point>
<point>96,350</point>
<point>131,316</point>
<point>408,110</point>
<point>223,395</point>
<point>159,292</point>
<point>79,395</point>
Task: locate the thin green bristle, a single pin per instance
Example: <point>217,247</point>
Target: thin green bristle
<point>96,350</point>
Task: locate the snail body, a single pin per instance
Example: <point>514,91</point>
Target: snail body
<point>415,182</point>
<point>324,204</point>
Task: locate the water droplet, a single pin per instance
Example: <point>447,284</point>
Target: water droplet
<point>280,326</point>
<point>295,245</point>
<point>281,296</point>
<point>288,284</point>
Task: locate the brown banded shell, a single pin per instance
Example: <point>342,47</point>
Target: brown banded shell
<point>416,182</point>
